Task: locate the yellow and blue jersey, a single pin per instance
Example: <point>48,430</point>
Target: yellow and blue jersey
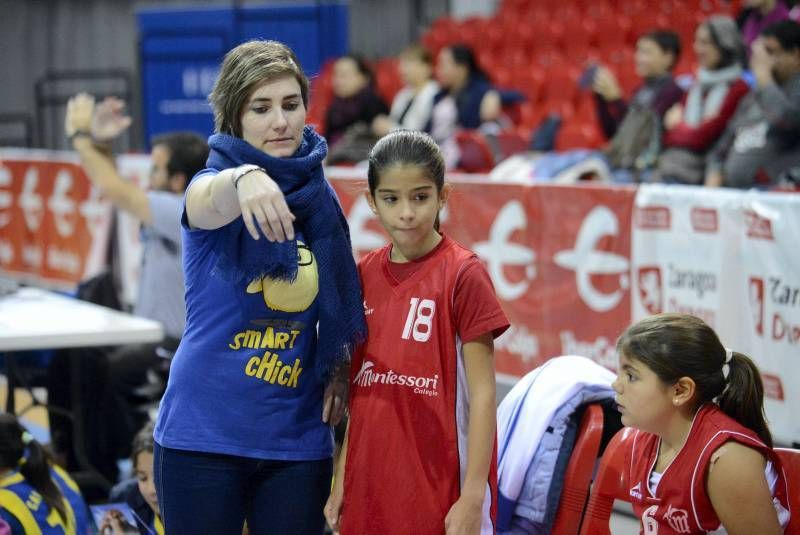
<point>24,509</point>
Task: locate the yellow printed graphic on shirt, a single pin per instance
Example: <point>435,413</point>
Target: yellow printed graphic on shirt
<point>294,296</point>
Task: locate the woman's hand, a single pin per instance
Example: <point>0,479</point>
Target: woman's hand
<point>673,117</point>
<point>108,121</point>
<point>464,517</point>
<point>80,109</point>
<point>333,507</point>
<point>606,85</point>
<point>263,205</point>
<point>335,399</point>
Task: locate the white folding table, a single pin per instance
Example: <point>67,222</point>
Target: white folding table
<point>32,318</point>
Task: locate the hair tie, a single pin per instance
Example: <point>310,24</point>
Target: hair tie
<point>726,368</point>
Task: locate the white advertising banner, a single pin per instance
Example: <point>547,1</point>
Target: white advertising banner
<point>731,258</point>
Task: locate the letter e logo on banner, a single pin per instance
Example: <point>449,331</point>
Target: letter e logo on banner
<point>499,251</point>
<point>585,260</point>
<point>30,201</point>
<point>61,204</point>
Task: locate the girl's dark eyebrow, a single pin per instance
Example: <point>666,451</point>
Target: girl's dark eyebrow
<point>387,190</point>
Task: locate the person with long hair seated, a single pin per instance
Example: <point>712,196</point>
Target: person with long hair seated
<point>702,457</point>
<point>36,496</point>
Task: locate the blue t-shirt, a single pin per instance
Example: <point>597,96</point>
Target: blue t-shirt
<point>25,511</point>
<point>242,381</point>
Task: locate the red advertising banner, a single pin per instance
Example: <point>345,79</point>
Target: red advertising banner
<point>558,257</point>
<point>53,225</point>
<point>572,265</point>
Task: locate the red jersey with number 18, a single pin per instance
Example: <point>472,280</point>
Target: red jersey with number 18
<point>409,404</point>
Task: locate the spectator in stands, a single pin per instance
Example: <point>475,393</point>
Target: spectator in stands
<point>635,128</point>
<point>176,157</point>
<point>355,104</point>
<point>467,99</point>
<point>761,14</point>
<point>412,106</point>
<point>694,126</point>
<point>762,141</point>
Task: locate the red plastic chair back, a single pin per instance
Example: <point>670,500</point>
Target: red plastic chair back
<point>790,459</point>
<point>476,154</point>
<point>610,483</point>
<point>511,142</point>
<point>578,475</point>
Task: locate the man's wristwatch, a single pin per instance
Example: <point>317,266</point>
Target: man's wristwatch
<point>243,170</point>
<point>79,133</point>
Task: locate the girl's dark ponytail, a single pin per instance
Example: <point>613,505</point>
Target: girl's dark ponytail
<point>18,448</point>
<point>743,397</point>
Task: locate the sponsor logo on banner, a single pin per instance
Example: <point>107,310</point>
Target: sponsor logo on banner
<point>499,251</point>
<point>704,219</point>
<point>520,341</point>
<point>6,197</point>
<point>586,259</point>
<point>757,226</point>
<point>785,299</point>
<point>756,296</point>
<point>650,290</point>
<point>773,387</point>
<point>601,350</point>
<point>652,218</point>
<point>53,225</point>
<point>699,282</point>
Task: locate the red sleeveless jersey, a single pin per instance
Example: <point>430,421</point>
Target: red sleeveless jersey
<point>680,503</point>
<point>409,409</point>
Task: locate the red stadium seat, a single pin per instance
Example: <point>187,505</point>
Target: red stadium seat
<point>529,82</point>
<point>511,142</point>
<point>611,32</point>
<point>530,114</point>
<point>548,36</point>
<point>476,154</point>
<point>561,83</point>
<point>578,135</point>
<point>609,484</point>
<point>387,79</point>
<point>578,475</point>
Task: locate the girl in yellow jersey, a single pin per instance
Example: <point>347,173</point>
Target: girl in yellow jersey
<point>36,497</point>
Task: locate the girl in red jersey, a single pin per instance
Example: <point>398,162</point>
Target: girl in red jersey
<point>420,449</point>
<point>702,457</point>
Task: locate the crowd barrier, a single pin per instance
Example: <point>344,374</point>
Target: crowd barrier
<point>572,265</point>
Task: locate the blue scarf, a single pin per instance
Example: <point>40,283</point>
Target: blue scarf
<point>320,218</point>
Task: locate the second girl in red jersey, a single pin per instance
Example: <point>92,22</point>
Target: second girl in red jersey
<point>420,451</point>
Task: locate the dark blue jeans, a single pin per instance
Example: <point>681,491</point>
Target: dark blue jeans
<point>210,493</point>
